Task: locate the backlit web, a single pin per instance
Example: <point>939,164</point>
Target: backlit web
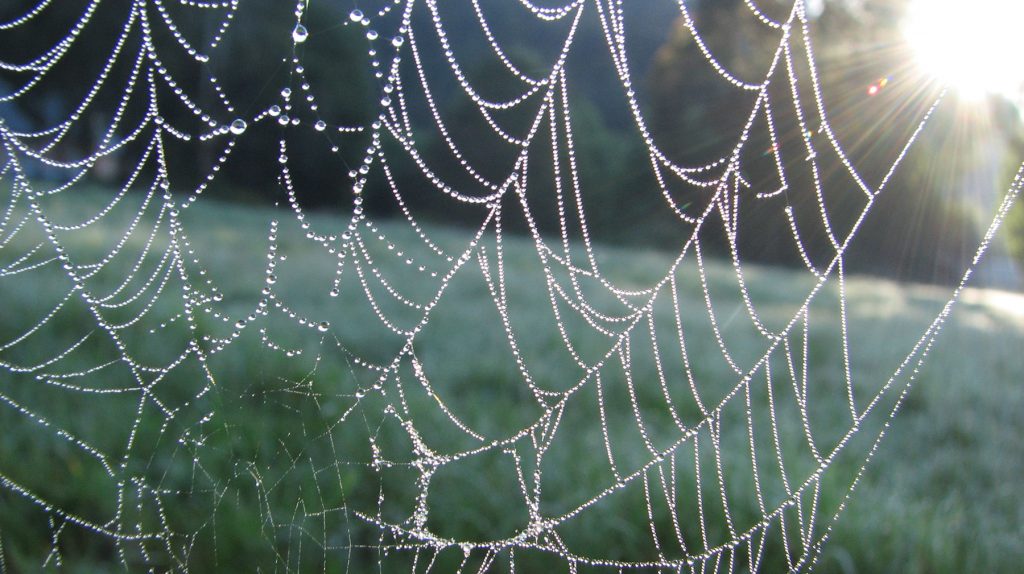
<point>314,381</point>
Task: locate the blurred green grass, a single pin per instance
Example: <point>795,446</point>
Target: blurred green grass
<point>255,482</point>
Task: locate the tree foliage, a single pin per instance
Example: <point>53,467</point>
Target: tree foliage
<point>694,116</point>
<point>922,226</point>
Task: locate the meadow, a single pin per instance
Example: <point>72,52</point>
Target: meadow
<point>249,464</point>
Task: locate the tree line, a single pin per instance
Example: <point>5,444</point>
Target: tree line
<point>924,226</point>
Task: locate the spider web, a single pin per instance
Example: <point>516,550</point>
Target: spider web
<point>373,457</point>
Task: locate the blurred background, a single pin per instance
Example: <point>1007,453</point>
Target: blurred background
<point>873,85</point>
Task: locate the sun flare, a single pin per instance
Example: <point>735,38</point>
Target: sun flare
<point>975,48</point>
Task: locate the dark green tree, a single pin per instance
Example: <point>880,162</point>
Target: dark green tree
<point>920,227</point>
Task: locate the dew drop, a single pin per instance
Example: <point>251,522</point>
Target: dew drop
<point>334,293</point>
<point>355,15</point>
<point>275,110</point>
<point>371,34</point>
<point>299,34</point>
<point>397,41</point>
<point>320,126</point>
<point>238,126</point>
<point>322,327</point>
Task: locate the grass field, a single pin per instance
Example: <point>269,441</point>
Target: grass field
<point>258,468</point>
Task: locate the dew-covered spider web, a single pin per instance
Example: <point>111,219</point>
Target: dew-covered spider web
<point>314,381</point>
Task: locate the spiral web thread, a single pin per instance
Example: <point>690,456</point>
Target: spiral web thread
<point>666,454</point>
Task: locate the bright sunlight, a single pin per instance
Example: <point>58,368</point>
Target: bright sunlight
<point>974,48</point>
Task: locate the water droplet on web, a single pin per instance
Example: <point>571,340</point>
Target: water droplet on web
<point>322,327</point>
<point>238,126</point>
<point>355,15</point>
<point>335,293</point>
<point>320,126</point>
<point>397,41</point>
<point>371,34</point>
<point>299,34</point>
<point>275,110</point>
